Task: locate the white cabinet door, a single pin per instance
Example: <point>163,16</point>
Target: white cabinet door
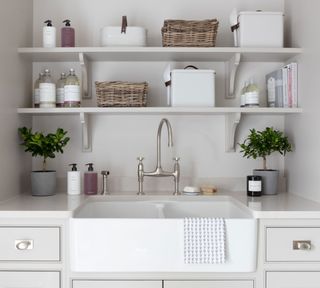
<point>115,284</point>
<point>29,243</point>
<point>293,279</point>
<point>210,284</point>
<point>26,279</point>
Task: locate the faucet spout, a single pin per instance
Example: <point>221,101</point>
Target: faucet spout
<point>159,172</point>
<point>170,141</point>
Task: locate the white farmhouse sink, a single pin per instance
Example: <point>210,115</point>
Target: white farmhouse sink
<point>147,235</point>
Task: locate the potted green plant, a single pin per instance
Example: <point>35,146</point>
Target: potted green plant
<point>43,182</point>
<point>260,144</point>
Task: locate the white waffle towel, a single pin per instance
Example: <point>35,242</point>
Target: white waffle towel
<point>204,241</point>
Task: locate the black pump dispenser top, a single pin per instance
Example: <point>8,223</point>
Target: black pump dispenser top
<point>48,22</point>
<point>67,22</point>
<point>90,168</point>
<point>74,166</point>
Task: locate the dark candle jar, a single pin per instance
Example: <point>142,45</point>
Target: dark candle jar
<point>254,185</point>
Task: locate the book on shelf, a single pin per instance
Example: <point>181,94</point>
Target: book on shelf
<point>282,87</point>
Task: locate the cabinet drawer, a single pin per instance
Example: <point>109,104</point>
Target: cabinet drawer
<point>28,279</point>
<point>293,244</point>
<point>29,243</point>
<point>115,284</point>
<point>209,284</point>
<point>293,279</point>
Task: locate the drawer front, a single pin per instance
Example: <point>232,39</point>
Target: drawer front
<point>10,279</point>
<point>293,244</point>
<point>115,284</point>
<point>29,243</point>
<point>293,279</point>
<point>209,284</point>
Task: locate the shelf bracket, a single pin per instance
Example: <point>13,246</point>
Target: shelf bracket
<point>231,72</point>
<point>85,76</point>
<point>232,121</point>
<point>86,139</point>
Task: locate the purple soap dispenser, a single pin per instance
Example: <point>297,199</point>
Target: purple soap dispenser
<point>90,181</point>
<point>67,35</point>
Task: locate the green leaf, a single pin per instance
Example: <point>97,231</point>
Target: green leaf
<point>43,145</point>
<point>260,144</point>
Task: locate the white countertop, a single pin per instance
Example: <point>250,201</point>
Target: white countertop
<point>283,205</point>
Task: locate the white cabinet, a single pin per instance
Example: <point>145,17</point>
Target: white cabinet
<point>26,279</point>
<point>115,284</point>
<point>29,243</point>
<point>293,244</point>
<point>210,284</point>
<point>291,253</point>
<point>293,279</point>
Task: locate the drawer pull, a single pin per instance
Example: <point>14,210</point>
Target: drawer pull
<point>24,244</point>
<point>301,245</point>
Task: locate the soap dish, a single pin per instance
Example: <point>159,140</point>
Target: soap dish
<point>191,191</point>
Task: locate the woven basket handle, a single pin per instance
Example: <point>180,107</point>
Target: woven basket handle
<point>124,25</point>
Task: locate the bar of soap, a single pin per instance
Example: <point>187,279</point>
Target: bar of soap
<point>208,190</point>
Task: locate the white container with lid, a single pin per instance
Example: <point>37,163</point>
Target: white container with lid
<point>260,29</point>
<point>193,88</point>
<point>134,36</point>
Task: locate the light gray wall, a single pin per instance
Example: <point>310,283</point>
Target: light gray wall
<point>15,87</point>
<point>118,140</point>
<point>303,164</point>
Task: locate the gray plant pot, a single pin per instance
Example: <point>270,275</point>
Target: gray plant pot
<point>269,180</point>
<point>43,183</point>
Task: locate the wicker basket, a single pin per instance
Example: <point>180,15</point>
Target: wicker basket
<point>121,94</point>
<point>182,33</point>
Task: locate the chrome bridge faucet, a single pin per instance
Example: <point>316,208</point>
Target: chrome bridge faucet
<point>159,172</point>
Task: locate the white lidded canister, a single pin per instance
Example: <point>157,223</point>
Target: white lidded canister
<point>194,87</point>
<point>260,29</point>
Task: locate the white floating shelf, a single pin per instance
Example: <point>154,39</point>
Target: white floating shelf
<point>159,110</point>
<point>198,54</point>
<point>232,56</point>
<point>232,116</point>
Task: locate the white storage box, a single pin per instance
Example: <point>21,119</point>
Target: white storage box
<point>133,37</point>
<point>193,88</point>
<point>260,29</point>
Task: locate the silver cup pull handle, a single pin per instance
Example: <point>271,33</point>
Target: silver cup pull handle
<point>24,244</point>
<point>301,245</point>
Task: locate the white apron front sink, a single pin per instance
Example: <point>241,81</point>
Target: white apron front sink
<point>147,235</point>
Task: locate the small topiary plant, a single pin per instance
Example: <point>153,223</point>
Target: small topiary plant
<point>263,143</point>
<point>43,145</point>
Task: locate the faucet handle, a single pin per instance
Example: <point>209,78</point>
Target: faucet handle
<point>176,159</point>
<point>140,159</point>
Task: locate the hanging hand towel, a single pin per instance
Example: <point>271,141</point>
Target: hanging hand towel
<point>204,241</point>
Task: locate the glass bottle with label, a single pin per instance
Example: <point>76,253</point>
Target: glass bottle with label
<point>72,90</point>
<point>36,91</point>
<point>252,95</point>
<point>243,94</point>
<point>47,91</point>
<point>60,90</point>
